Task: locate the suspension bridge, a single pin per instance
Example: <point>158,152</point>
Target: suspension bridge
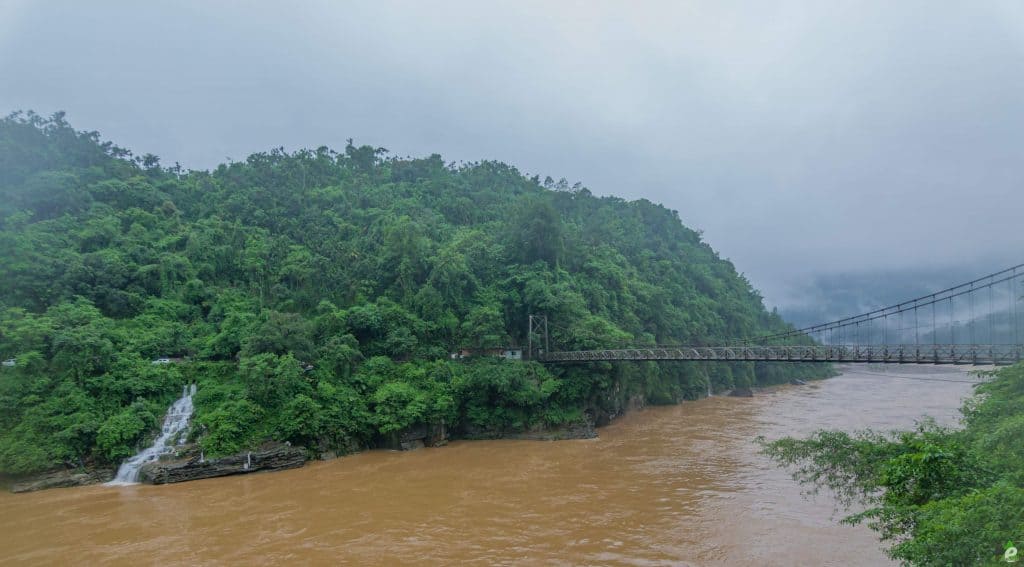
<point>977,322</point>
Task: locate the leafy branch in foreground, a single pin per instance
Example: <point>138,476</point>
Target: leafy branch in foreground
<point>938,496</point>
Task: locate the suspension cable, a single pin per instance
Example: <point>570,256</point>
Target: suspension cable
<point>899,308</point>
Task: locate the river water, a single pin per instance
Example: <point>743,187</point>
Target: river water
<point>678,485</point>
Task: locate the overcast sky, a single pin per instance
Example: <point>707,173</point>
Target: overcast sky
<point>803,138</point>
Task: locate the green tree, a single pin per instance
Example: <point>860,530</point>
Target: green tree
<point>398,405</point>
<point>117,437</point>
<point>938,496</point>
<point>271,380</point>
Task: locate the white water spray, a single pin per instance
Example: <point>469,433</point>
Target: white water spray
<point>175,423</point>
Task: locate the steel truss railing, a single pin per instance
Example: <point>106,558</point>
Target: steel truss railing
<point>894,354</point>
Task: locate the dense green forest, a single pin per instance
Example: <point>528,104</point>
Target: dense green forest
<point>938,496</point>
<point>316,297</point>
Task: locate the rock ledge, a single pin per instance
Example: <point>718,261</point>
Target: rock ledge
<point>272,458</point>
<point>63,479</point>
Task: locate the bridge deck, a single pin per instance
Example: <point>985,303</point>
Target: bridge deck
<point>892,354</point>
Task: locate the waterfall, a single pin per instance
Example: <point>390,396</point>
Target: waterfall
<point>175,423</point>
<point>709,388</point>
<point>248,461</point>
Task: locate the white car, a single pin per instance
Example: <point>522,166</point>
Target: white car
<point>10,362</point>
<point>162,361</point>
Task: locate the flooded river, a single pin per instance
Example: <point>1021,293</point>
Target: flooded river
<point>680,485</point>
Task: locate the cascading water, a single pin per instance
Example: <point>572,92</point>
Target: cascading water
<point>175,423</point>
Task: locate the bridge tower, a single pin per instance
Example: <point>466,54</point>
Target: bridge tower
<point>539,327</point>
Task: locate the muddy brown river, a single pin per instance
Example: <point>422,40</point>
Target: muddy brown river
<point>679,485</point>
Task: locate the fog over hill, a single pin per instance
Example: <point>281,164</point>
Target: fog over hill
<point>827,297</point>
<point>804,139</point>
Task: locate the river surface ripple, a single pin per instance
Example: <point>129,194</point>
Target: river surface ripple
<point>678,485</point>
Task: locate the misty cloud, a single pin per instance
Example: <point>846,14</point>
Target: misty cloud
<point>803,138</point>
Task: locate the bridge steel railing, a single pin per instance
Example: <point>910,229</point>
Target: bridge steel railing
<point>893,354</point>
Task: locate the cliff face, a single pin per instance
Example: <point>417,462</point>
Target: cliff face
<point>273,458</point>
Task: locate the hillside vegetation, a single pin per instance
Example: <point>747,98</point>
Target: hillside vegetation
<point>316,297</point>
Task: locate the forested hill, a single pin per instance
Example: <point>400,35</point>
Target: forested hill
<point>369,269</point>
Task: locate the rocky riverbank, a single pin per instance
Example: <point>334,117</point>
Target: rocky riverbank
<point>278,456</point>
<point>63,479</point>
<point>274,457</point>
<point>270,457</point>
<point>577,430</point>
<point>437,435</point>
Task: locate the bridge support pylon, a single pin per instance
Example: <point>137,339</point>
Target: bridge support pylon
<point>538,326</point>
